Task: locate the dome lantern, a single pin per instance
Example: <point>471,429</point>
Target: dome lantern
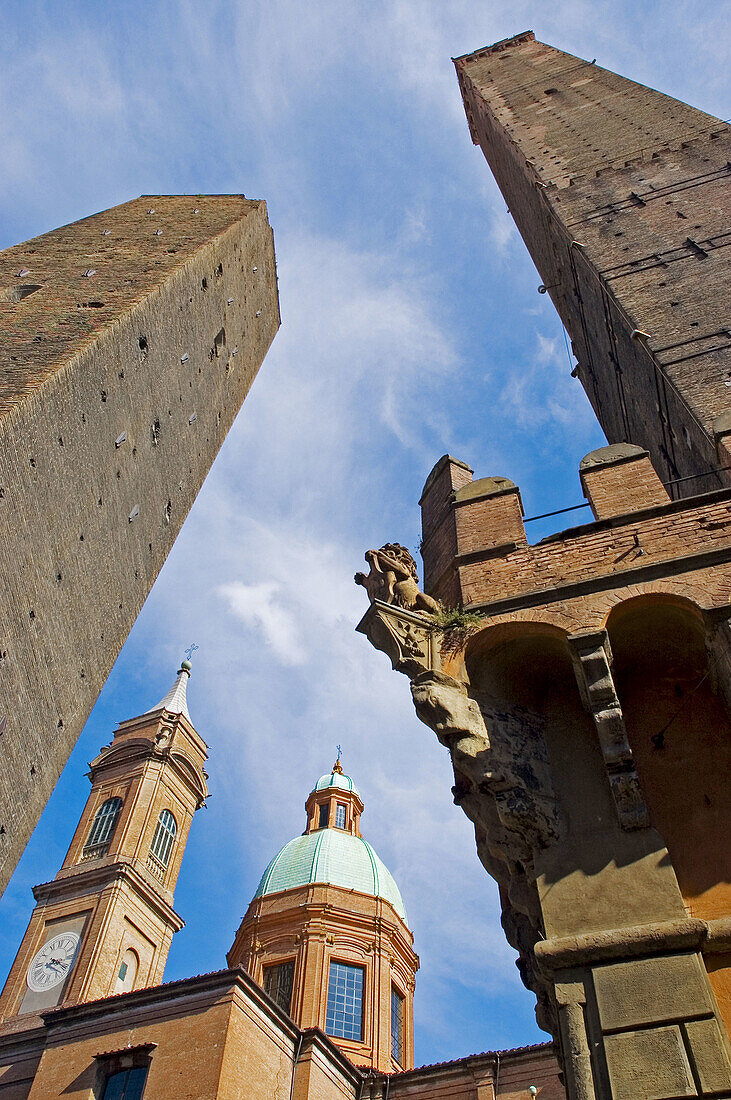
<point>334,803</point>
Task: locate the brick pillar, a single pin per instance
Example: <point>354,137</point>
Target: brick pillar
<point>620,479</point>
<point>439,536</point>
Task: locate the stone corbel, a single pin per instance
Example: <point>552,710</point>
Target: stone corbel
<point>408,638</point>
<point>592,659</point>
<point>529,816</point>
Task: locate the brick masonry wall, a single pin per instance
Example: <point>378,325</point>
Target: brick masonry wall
<point>111,416</point>
<point>214,1037</point>
<point>506,1075</point>
<point>605,550</point>
<point>617,487</point>
<point>640,181</point>
<point>680,546</point>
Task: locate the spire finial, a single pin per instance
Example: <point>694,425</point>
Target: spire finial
<point>337,766</point>
<point>185,666</point>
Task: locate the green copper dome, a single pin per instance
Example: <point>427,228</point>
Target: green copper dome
<point>336,779</point>
<point>334,857</point>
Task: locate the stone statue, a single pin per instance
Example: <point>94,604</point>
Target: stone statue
<point>393,578</point>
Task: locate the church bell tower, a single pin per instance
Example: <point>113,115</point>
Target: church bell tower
<point>104,924</point>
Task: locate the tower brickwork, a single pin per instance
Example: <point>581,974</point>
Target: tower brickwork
<point>621,196</point>
<point>327,938</point>
<point>128,342</point>
<point>104,924</point>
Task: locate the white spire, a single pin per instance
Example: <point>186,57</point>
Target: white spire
<point>175,701</point>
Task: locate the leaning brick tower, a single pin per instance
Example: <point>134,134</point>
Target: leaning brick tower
<point>128,342</point>
<point>621,196</point>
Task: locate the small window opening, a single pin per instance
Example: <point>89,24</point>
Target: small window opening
<point>127,973</point>
<point>128,1084</point>
<point>397,1026</point>
<point>324,815</point>
<point>278,982</point>
<point>340,815</point>
<point>155,432</point>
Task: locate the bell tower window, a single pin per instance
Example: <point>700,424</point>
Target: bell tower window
<point>162,842</point>
<point>324,815</point>
<point>102,829</point>
<point>340,815</point>
<point>345,1002</point>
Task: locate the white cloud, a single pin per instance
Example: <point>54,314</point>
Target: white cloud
<point>259,604</point>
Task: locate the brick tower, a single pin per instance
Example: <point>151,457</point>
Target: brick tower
<point>128,342</point>
<point>621,195</point>
<point>105,923</point>
<point>326,934</point>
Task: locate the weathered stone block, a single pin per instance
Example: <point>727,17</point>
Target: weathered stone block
<point>651,1065</point>
<point>709,1055</point>
<point>644,991</point>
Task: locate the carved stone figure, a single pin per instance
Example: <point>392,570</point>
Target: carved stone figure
<point>393,578</point>
<point>518,781</point>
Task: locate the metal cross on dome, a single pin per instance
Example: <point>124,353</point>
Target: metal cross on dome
<point>191,650</point>
<point>340,752</point>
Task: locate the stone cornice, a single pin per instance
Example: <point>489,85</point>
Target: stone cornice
<point>315,1039</point>
<point>340,916</point>
<point>94,879</point>
<point>712,936</point>
<point>143,749</point>
<point>209,986</point>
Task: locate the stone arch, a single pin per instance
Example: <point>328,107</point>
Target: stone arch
<point>679,730</point>
<point>680,734</point>
<point>526,669</point>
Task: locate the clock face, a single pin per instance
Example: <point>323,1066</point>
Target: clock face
<point>53,962</point>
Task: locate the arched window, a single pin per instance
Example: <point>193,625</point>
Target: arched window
<point>127,974</point>
<point>102,828</point>
<point>162,842</point>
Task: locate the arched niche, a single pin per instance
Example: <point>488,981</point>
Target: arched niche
<point>679,731</point>
<point>526,669</point>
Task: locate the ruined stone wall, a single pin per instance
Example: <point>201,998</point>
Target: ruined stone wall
<point>621,195</point>
<point>117,388</point>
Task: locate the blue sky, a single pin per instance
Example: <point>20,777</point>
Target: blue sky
<point>411,327</point>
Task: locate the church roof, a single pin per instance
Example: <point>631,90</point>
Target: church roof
<point>176,701</point>
<point>332,857</point>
